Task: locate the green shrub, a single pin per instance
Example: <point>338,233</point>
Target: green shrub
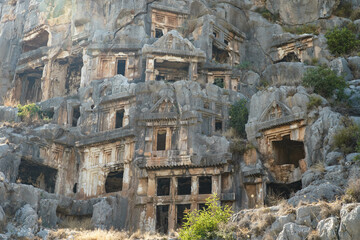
<point>243,65</point>
<point>268,15</point>
<point>314,102</point>
<point>342,41</point>
<point>344,10</point>
<point>239,116</point>
<point>355,15</point>
<point>347,139</point>
<point>324,81</point>
<point>219,82</point>
<point>28,112</point>
<point>205,223</point>
<point>307,28</point>
<point>240,146</point>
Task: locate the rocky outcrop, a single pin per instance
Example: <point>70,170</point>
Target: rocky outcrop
<point>293,231</point>
<point>302,12</point>
<point>350,220</point>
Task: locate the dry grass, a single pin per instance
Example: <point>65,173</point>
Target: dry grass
<point>313,235</point>
<point>320,167</point>
<point>76,223</point>
<point>353,190</point>
<point>99,234</point>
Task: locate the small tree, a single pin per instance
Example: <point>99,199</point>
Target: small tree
<point>341,41</point>
<point>324,81</point>
<point>239,116</point>
<point>204,223</point>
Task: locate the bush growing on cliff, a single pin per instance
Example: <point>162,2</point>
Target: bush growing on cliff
<point>325,82</point>
<point>204,223</point>
<point>28,112</point>
<point>347,139</point>
<point>342,41</point>
<point>239,116</point>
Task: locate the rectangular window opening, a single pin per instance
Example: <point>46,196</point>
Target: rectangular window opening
<point>161,140</point>
<point>114,181</point>
<point>219,82</point>
<point>121,65</point>
<point>163,187</point>
<point>75,115</point>
<point>162,218</point>
<point>119,118</point>
<point>181,209</point>
<point>205,185</point>
<point>218,125</point>
<point>184,185</point>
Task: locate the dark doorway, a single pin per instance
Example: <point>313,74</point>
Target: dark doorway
<point>290,57</point>
<point>163,187</point>
<point>121,65</point>
<point>288,151</point>
<point>37,175</point>
<point>158,33</point>
<point>218,125</point>
<point>219,82</point>
<point>161,140</point>
<point>75,116</point>
<point>162,218</point>
<point>119,118</point>
<point>205,185</point>
<point>75,188</point>
<point>181,209</point>
<point>114,182</point>
<point>184,185</point>
<point>219,55</point>
<point>283,190</point>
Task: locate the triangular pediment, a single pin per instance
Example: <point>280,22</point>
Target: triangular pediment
<point>165,105</point>
<point>275,110</point>
<point>173,43</point>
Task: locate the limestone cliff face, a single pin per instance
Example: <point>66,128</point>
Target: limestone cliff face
<point>134,102</point>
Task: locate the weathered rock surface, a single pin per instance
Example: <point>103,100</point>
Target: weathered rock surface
<point>301,12</point>
<point>350,221</point>
<point>328,228</point>
<point>293,231</point>
<point>324,191</point>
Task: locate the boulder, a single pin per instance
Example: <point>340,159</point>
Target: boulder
<point>284,73</point>
<point>27,220</point>
<point>279,223</point>
<point>314,193</point>
<point>328,228</point>
<point>47,212</point>
<point>102,215</point>
<point>340,66</point>
<point>293,231</point>
<point>354,65</point>
<point>350,222</point>
<point>352,157</point>
<point>308,215</point>
<point>310,176</point>
<point>332,158</point>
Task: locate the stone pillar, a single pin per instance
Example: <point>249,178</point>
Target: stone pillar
<point>172,207</point>
<point>194,192</point>
<point>210,78</point>
<point>150,206</point>
<point>150,69</point>
<point>227,82</point>
<point>193,71</point>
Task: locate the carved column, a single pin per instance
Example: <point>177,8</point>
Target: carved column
<point>150,68</point>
